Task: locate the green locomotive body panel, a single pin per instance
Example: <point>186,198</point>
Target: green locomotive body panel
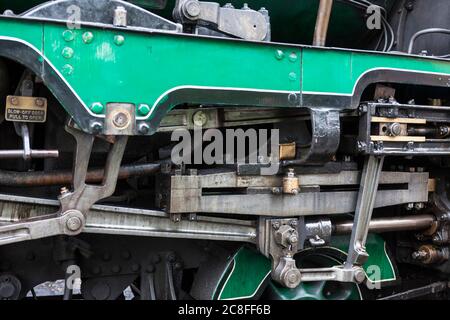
<point>163,70</point>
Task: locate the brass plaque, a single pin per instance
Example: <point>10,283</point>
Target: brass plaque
<point>26,109</point>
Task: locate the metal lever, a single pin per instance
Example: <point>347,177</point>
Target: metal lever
<point>84,195</point>
<point>357,254</point>
<point>70,218</point>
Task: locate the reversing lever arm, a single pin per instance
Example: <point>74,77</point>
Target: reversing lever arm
<point>70,218</point>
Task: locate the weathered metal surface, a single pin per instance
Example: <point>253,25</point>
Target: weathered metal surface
<point>65,177</point>
<point>188,194</point>
<point>128,221</point>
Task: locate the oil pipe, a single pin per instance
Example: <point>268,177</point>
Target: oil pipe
<point>64,177</point>
<point>322,22</point>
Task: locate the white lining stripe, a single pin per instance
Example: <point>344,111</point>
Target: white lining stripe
<point>54,69</point>
<point>370,70</point>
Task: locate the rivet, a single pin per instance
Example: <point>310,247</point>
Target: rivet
<point>116,269</point>
<point>119,40</point>
<point>39,102</point>
<point>88,37</point>
<point>143,109</point>
<point>135,267</point>
<point>67,52</point>
<point>279,54</point>
<point>67,69</point>
<point>68,35</point>
<point>293,57</point>
<point>292,98</point>
<point>292,76</point>
<point>97,108</point>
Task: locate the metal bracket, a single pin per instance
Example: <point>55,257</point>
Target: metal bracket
<point>279,240</point>
<point>242,23</point>
<point>83,195</point>
<point>71,217</point>
<point>325,137</point>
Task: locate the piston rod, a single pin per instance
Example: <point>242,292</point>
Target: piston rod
<point>391,224</point>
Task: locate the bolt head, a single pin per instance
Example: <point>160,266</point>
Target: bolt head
<point>7,290</point>
<point>360,276</point>
<point>74,224</point>
<point>279,54</point>
<point>68,35</point>
<point>293,57</point>
<point>67,69</point>
<point>39,102</point>
<point>144,128</point>
<point>119,40</point>
<point>88,37</point>
<point>97,108</point>
<point>192,9</point>
<point>67,52</point>
<point>199,119</point>
<point>292,76</point>
<point>276,190</point>
<point>292,98</point>
<point>293,239</point>
<point>121,120</point>
<point>143,109</point>
<point>64,190</point>
<point>96,127</point>
<point>292,278</point>
<point>276,225</point>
